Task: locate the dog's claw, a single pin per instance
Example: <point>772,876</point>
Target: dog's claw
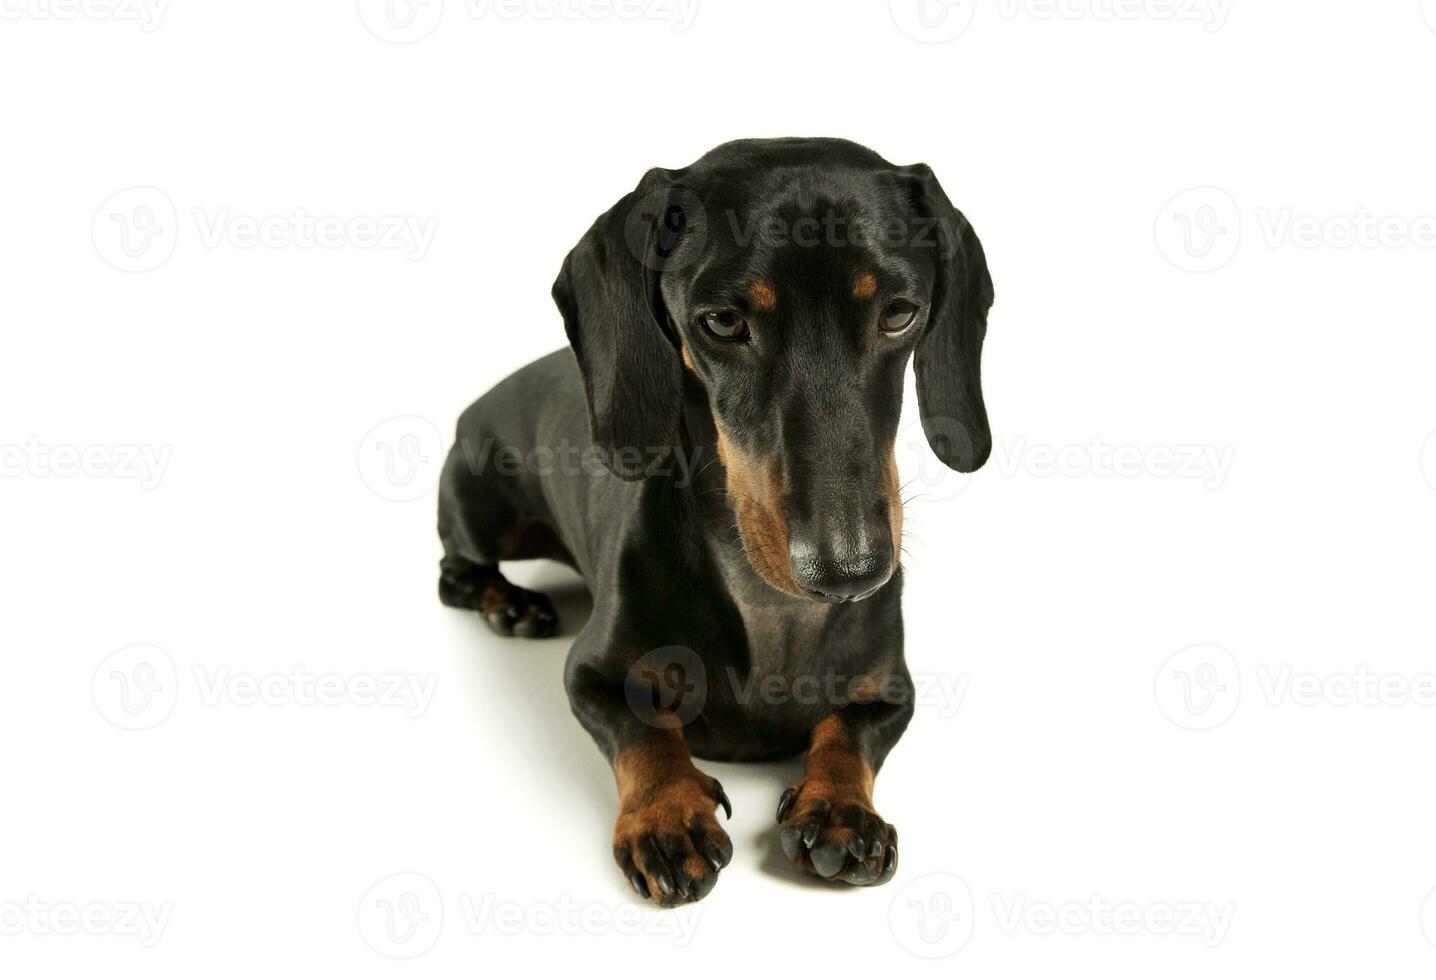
<point>785,803</point>
<point>723,799</point>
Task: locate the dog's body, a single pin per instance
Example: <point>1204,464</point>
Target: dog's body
<point>743,395</point>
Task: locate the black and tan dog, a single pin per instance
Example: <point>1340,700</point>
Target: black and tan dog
<point>740,330</point>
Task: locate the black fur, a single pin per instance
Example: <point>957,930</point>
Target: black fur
<point>606,457</point>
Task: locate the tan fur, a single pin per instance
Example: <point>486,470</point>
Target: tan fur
<point>865,286</point>
<point>762,296</point>
<point>756,491</point>
<point>835,771</point>
<point>662,794</point>
<point>892,489</point>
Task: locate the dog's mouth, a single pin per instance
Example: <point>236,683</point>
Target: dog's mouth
<point>820,596</point>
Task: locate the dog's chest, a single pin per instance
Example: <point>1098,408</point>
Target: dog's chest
<point>783,632</point>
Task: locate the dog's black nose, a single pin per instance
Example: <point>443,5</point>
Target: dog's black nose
<point>841,567</point>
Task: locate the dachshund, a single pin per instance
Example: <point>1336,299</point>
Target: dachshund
<point>715,455</point>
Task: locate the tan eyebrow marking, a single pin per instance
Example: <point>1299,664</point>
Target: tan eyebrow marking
<point>762,295</point>
<point>865,286</point>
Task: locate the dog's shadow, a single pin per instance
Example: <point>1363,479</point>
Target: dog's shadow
<point>514,689</point>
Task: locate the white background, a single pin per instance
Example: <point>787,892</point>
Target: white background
<point>1212,414</point>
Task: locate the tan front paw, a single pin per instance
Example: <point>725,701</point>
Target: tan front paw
<point>668,842</point>
<point>833,832</point>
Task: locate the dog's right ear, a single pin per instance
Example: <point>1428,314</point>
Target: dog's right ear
<point>613,313</point>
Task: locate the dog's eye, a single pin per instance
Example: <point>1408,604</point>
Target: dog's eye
<point>725,324</point>
<point>897,316</point>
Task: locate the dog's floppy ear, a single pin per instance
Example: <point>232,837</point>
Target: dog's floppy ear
<point>608,293</point>
<point>948,363</point>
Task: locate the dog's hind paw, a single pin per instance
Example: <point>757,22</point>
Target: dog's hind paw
<point>508,609</point>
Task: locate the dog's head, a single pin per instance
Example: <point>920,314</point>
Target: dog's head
<point>794,278</point>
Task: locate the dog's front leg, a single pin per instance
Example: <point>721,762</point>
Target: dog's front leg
<point>830,827</point>
<point>667,840</point>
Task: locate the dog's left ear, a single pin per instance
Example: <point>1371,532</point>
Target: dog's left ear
<point>948,362</point>
<point>613,313</point>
